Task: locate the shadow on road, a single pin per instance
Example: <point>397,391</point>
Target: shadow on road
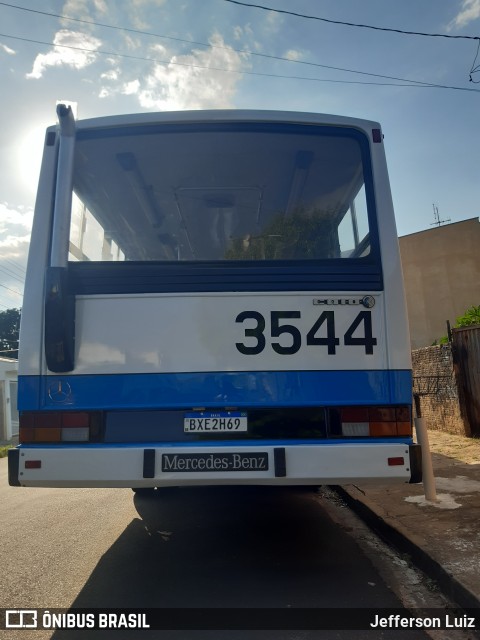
<point>230,547</point>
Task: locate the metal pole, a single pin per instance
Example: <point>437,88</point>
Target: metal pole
<point>427,467</point>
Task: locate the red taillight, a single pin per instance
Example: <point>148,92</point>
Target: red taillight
<point>381,414</point>
<point>380,429</point>
<point>58,426</point>
<point>396,462</point>
<point>355,414</point>
<point>404,428</point>
<point>376,421</point>
<point>33,464</point>
<point>75,419</point>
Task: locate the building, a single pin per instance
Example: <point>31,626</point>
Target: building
<point>441,268</point>
<point>8,399</point>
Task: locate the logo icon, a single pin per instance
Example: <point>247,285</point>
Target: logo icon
<point>20,619</point>
<point>59,391</point>
<point>368,301</point>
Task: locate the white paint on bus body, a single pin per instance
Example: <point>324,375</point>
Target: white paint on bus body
<point>307,464</point>
<point>174,333</point>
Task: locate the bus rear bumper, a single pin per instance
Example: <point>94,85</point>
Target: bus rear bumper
<point>153,465</point>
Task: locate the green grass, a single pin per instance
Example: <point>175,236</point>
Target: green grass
<point>4,449</point>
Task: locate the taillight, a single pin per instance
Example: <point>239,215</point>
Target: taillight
<point>59,426</point>
<point>376,421</point>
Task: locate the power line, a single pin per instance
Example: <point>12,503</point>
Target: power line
<point>12,274</point>
<point>14,264</point>
<point>352,24</point>
<point>110,26</point>
<point>411,83</point>
<point>12,290</point>
<point>211,46</point>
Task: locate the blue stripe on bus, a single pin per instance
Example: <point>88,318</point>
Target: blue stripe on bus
<point>223,389</point>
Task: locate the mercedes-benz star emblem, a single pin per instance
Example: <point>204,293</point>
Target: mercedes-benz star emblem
<point>59,391</point>
<point>368,301</point>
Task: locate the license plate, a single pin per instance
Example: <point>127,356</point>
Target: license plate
<point>207,462</point>
<point>215,422</point>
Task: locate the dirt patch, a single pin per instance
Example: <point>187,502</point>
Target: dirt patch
<point>466,450</point>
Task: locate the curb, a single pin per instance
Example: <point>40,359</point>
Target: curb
<point>393,533</point>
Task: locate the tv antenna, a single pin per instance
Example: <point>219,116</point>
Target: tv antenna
<point>436,215</point>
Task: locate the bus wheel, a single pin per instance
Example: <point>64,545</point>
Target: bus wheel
<point>144,491</point>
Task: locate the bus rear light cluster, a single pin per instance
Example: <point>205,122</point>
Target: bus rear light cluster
<point>58,426</point>
<point>376,421</point>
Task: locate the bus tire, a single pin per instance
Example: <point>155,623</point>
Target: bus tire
<point>144,491</point>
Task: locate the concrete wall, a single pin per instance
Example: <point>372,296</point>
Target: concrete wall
<point>441,268</point>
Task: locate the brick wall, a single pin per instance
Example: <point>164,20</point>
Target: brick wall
<point>434,381</point>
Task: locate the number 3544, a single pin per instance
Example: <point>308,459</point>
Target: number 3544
<point>322,333</point>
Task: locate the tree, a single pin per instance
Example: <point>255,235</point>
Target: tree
<point>9,332</point>
<point>469,318</point>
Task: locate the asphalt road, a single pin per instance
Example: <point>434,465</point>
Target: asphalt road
<point>191,547</point>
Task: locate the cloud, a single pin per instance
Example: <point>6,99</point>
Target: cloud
<point>130,88</point>
<point>60,55</point>
<point>13,246</point>
<point>192,82</point>
<point>4,47</point>
<point>100,6</point>
<point>15,228</point>
<point>81,9</point>
<point>273,22</point>
<point>470,11</point>
<point>110,75</point>
<point>131,43</point>
<point>293,54</point>
<point>21,218</point>
<point>135,10</point>
<point>246,34</point>
<point>142,3</point>
<point>242,32</point>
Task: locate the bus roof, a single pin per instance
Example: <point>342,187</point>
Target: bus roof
<point>225,115</point>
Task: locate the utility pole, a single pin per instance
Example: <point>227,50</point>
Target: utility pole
<point>436,215</point>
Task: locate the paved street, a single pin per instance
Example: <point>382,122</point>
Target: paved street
<point>223,547</point>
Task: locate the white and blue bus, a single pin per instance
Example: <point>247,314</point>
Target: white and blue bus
<point>214,297</point>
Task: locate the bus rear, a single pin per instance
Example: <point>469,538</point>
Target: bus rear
<point>214,298</point>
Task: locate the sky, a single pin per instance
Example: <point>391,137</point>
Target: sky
<point>128,56</point>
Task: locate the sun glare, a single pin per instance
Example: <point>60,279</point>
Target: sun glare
<point>29,158</point>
